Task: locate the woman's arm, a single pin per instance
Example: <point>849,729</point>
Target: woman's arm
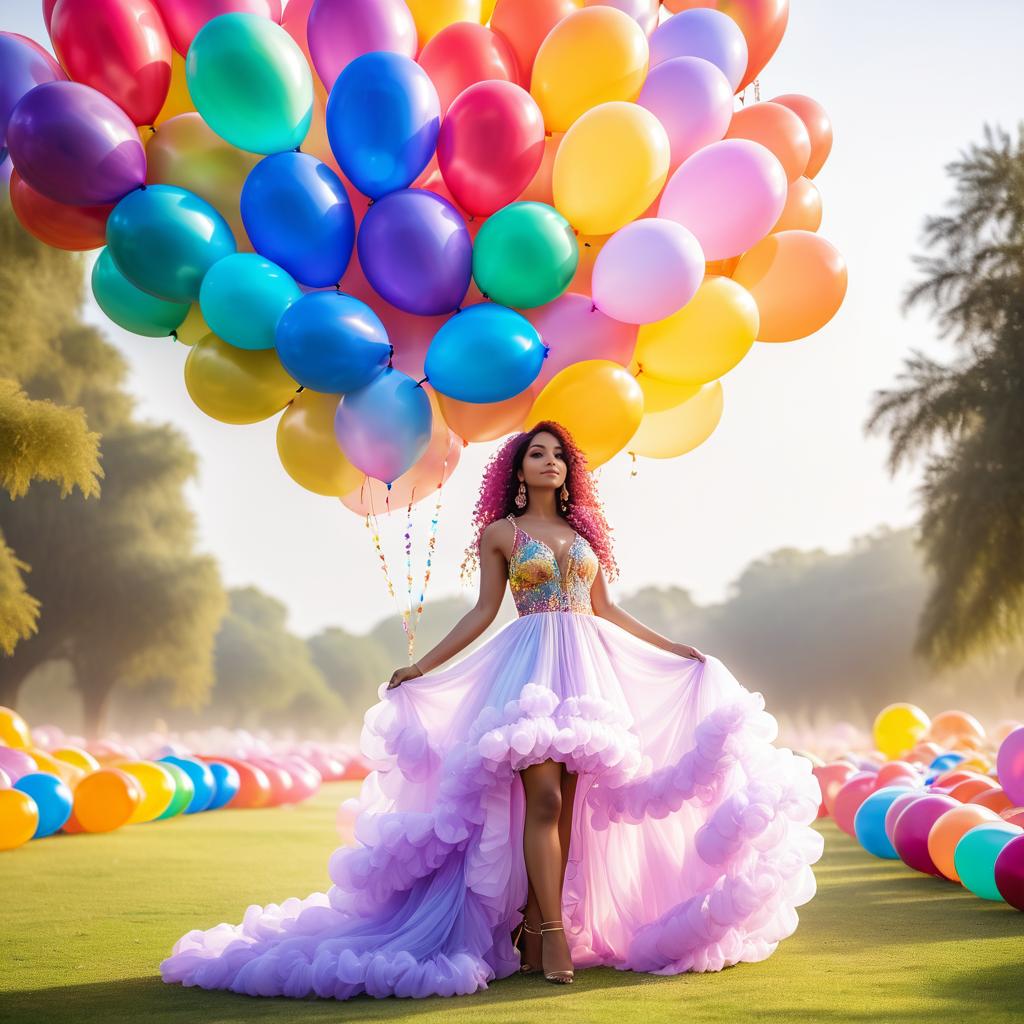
<point>606,608</point>
<point>493,580</point>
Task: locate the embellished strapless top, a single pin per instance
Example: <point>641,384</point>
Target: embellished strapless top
<point>537,581</point>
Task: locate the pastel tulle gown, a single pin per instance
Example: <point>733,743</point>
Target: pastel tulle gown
<point>691,836</point>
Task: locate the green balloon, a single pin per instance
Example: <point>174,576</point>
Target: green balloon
<point>130,307</point>
<point>184,790</point>
<point>974,857</point>
<point>525,255</point>
<point>250,82</point>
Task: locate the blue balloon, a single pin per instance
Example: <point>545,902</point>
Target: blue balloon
<point>869,821</point>
<point>297,213</point>
<point>242,298</point>
<point>384,428</point>
<point>946,761</point>
<point>23,66</point>
<point>202,779</point>
<point>383,116</point>
<point>485,353</point>
<point>332,342</point>
<point>227,782</point>
<point>53,798</point>
<point>164,239</point>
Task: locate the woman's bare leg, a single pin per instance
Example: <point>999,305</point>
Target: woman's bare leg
<point>542,848</point>
<point>569,780</point>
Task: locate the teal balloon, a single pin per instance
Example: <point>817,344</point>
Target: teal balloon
<point>250,82</point>
<point>242,298</point>
<point>130,307</point>
<point>869,821</point>
<point>525,255</point>
<point>164,239</point>
<point>974,857</point>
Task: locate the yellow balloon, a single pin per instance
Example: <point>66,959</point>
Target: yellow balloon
<point>193,327</point>
<point>308,449</point>
<point>703,340</point>
<point>592,56</point>
<point>179,100</point>
<point>610,166</point>
<point>19,818</point>
<point>599,402</point>
<point>185,151</point>
<point>77,756</point>
<point>157,786</point>
<point>44,761</point>
<point>14,730</point>
<point>433,15</point>
<point>486,10</point>
<point>236,385</point>
<point>677,417</point>
<point>898,727</point>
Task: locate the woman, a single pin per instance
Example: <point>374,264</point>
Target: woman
<point>615,794</point>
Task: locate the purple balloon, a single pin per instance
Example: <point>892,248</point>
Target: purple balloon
<point>16,763</point>
<point>898,806</point>
<point>701,32</point>
<point>1010,766</point>
<point>72,144</point>
<point>1009,872</point>
<point>910,835</point>
<point>384,427</point>
<point>415,250</point>
<point>338,31</point>
<point>23,65</point>
<point>693,99</point>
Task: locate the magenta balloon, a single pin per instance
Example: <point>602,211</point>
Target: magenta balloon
<point>1010,766</point>
<point>72,144</point>
<point>703,33</point>
<point>729,194</point>
<point>910,834</point>
<point>647,271</point>
<point>341,30</point>
<point>16,763</point>
<point>693,100</point>
<point>1009,872</point>
<point>574,330</point>
<point>184,18</point>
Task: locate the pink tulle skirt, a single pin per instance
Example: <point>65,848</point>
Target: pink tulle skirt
<point>691,838</point>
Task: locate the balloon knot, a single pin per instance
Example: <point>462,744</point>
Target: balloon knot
<point>420,382</point>
<point>302,387</point>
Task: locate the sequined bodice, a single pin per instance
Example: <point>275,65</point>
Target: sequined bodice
<point>536,578</point>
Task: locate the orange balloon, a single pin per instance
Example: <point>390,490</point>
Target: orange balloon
<point>1014,815</point>
<point>779,129</point>
<point>798,280</point>
<point>995,799</point>
<point>589,246</point>
<point>963,791</point>
<point>895,772</point>
<point>818,126</point>
<point>106,800</point>
<point>954,776</point>
<point>19,818</point>
<point>253,783</point>
<point>485,421</point>
<point>525,23</point>
<point>949,829</point>
<point>950,726</point>
<point>539,190</point>
<point>802,211</point>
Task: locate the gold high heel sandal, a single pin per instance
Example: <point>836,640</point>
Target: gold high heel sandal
<point>525,967</point>
<point>559,977</point>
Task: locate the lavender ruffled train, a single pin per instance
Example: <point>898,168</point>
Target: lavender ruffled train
<point>691,838</point>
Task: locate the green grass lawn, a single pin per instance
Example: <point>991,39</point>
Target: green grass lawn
<point>85,921</point>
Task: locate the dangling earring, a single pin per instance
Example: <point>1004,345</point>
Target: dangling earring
<point>521,495</point>
<point>565,498</point>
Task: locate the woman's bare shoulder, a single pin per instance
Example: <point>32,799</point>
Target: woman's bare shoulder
<point>499,535</point>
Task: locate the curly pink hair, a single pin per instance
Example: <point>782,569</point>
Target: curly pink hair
<point>500,484</point>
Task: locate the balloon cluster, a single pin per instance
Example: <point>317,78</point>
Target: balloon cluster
<point>941,796</point>
<point>100,787</point>
<point>413,225</point>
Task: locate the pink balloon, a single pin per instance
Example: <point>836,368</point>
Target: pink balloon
<point>897,807</point>
<point>5,780</point>
<point>857,788</point>
<point>294,21</point>
<point>573,329</point>
<point>693,100</point>
<point>647,271</point>
<point>184,18</point>
<point>729,194</point>
<point>341,30</point>
<point>16,763</point>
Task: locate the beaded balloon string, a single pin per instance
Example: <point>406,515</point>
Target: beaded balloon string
<point>410,620</point>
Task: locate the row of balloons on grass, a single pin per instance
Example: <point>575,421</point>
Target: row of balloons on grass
<point>103,786</point>
<point>942,797</point>
<point>552,216</point>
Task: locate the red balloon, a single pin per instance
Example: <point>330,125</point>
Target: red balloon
<point>48,6</point>
<point>253,784</point>
<point>463,54</point>
<point>184,18</point>
<point>119,47</point>
<point>818,126</point>
<point>490,145</point>
<point>75,228</point>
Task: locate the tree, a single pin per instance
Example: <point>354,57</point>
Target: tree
<point>972,526</point>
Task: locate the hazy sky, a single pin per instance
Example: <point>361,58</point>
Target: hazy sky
<point>908,84</point>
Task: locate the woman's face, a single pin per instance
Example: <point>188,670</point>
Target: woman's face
<point>544,464</point>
